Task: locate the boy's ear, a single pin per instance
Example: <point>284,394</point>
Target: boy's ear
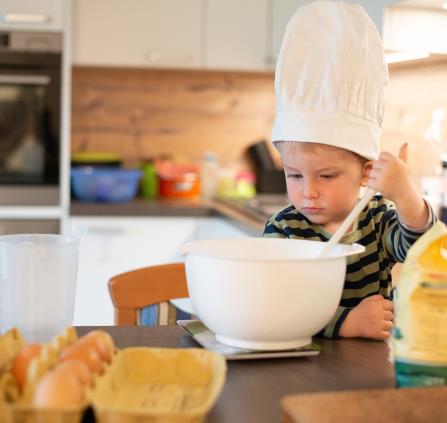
<point>365,172</point>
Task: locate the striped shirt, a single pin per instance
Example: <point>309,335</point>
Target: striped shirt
<point>378,228</point>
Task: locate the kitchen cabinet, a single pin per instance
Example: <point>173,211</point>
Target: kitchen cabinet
<point>151,33</point>
<point>236,34</point>
<point>282,11</point>
<point>407,29</point>
<point>210,34</point>
<point>376,10</point>
<point>112,245</point>
<point>32,15</point>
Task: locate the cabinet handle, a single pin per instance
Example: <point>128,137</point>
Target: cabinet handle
<point>26,18</point>
<point>157,56</point>
<point>24,79</point>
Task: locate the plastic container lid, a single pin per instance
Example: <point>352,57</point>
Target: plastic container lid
<point>96,157</point>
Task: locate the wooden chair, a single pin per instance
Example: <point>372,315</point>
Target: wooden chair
<point>134,290</point>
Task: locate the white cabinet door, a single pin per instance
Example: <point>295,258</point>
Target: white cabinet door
<point>32,15</point>
<point>151,33</point>
<point>282,11</point>
<point>415,30</point>
<point>236,35</point>
<point>112,245</point>
<point>376,10</point>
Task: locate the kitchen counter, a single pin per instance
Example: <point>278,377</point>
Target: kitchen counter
<point>142,207</point>
<point>248,213</point>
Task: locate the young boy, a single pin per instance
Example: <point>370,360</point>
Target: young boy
<point>329,87</point>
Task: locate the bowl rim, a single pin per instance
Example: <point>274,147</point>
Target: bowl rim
<point>197,248</point>
<point>104,170</point>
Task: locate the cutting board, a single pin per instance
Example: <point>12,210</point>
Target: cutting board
<point>409,405</point>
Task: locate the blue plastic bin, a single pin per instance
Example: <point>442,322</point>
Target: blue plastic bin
<point>109,185</point>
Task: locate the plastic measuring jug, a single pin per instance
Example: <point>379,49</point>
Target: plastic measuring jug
<point>37,284</point>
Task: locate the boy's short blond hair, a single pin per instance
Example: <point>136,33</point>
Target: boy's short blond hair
<point>290,147</point>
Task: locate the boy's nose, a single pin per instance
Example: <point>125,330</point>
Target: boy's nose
<point>310,190</point>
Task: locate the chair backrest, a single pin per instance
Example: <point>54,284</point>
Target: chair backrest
<point>134,290</point>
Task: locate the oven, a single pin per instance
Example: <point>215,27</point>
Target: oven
<point>30,117</point>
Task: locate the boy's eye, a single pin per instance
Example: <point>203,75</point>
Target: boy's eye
<point>294,175</point>
<point>327,176</point>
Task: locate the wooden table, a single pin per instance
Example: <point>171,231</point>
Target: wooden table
<point>254,388</point>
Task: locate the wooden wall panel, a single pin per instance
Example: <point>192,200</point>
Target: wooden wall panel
<point>144,112</point>
<point>414,92</point>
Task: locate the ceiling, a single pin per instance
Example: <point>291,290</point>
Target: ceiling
<point>423,4</point>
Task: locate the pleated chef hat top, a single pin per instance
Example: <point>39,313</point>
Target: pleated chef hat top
<point>330,79</point>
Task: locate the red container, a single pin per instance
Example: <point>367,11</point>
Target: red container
<point>178,180</point>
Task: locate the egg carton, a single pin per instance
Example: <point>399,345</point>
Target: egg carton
<point>10,344</point>
<point>16,405</point>
<point>140,385</point>
<point>148,385</point>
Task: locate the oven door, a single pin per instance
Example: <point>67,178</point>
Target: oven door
<point>30,101</point>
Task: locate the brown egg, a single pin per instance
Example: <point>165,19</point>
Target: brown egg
<point>20,364</point>
<point>104,338</point>
<point>98,344</point>
<point>58,388</point>
<point>85,353</point>
<point>79,368</point>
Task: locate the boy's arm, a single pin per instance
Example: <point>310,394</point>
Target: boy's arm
<point>332,329</point>
<point>397,237</point>
<point>412,209</point>
<point>390,176</point>
<point>372,318</point>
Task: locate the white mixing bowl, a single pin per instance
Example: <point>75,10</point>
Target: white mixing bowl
<point>265,293</point>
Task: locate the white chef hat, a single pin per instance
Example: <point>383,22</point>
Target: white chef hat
<point>330,79</point>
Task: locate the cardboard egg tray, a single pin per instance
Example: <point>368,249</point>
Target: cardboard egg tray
<point>140,384</point>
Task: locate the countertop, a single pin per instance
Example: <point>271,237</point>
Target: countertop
<point>250,213</point>
<point>142,207</point>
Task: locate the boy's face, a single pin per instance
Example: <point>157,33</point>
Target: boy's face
<point>323,184</point>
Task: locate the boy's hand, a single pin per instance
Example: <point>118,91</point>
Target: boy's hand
<point>372,318</point>
<point>390,176</point>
